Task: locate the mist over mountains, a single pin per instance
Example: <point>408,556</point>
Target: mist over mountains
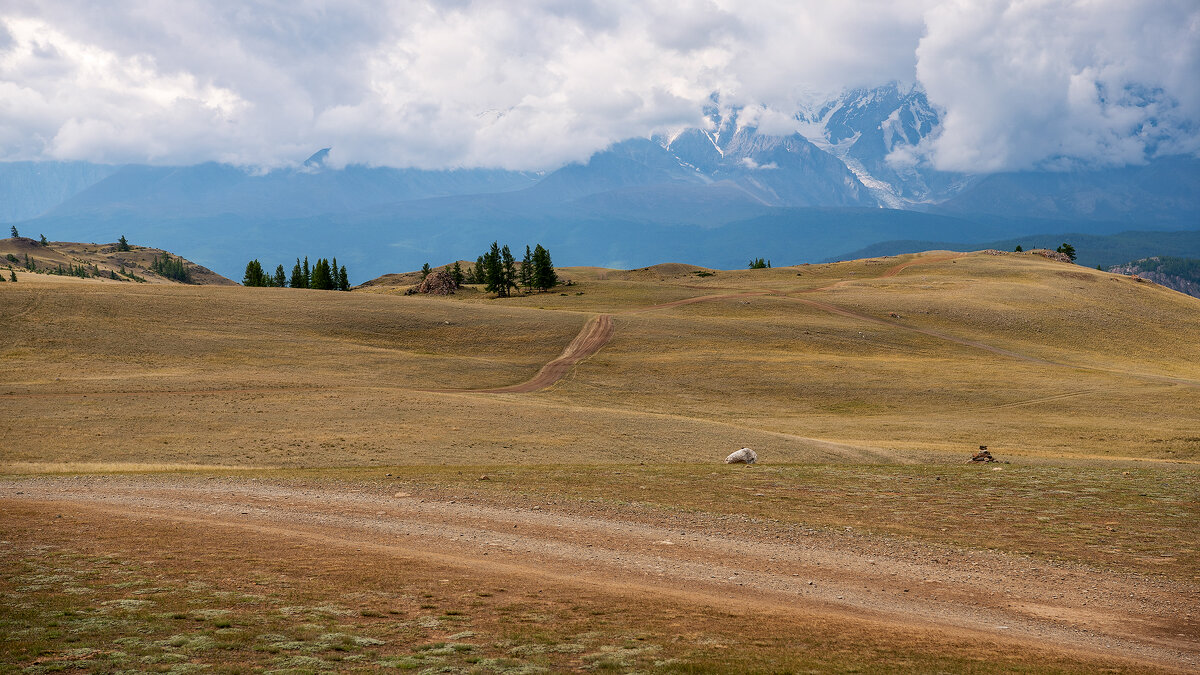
<point>840,176</point>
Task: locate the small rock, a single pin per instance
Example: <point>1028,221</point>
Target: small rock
<point>743,456</point>
<point>484,477</point>
<point>402,494</point>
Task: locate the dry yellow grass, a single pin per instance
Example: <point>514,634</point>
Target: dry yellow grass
<point>1087,382</point>
<point>100,259</point>
<point>278,377</point>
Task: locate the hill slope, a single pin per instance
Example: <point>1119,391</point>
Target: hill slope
<point>97,262</point>
<point>871,360</point>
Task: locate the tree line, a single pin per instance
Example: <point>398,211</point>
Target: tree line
<point>498,272</point>
<point>324,275</point>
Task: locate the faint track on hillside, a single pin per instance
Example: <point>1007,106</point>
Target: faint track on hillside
<point>599,330</point>
<point>595,334</point>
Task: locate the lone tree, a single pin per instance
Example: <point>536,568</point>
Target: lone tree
<point>425,270</point>
<point>15,234</point>
<point>1018,249</point>
<point>1067,250</point>
<point>43,241</point>
<point>759,264</point>
<point>543,276</point>
<point>123,244</point>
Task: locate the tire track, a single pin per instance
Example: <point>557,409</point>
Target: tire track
<point>595,334</point>
<point>916,584</point>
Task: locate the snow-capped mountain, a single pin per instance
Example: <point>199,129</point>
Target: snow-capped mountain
<point>834,177</point>
<point>855,149</point>
<point>874,132</point>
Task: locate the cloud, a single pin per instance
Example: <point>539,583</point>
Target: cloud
<point>533,85</point>
<point>1061,84</point>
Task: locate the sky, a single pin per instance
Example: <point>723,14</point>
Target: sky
<point>535,84</point>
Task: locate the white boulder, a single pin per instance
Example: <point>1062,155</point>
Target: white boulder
<point>743,456</point>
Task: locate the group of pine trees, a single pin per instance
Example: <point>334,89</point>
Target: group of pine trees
<point>498,272</point>
<point>171,268</point>
<point>322,276</point>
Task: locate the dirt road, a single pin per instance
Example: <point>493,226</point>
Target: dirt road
<point>694,558</point>
<point>595,334</point>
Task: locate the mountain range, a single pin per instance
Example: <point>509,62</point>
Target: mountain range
<point>717,196</point>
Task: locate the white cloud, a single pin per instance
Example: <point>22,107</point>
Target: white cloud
<point>1036,83</point>
<point>536,84</point>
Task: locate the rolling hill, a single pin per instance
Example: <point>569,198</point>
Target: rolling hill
<point>98,262</point>
<point>539,481</point>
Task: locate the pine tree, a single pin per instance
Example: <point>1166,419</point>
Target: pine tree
<point>456,273</point>
<point>527,268</point>
<point>1018,249</point>
<point>343,280</point>
<point>481,271</point>
<point>12,276</point>
<point>425,270</point>
<point>307,274</point>
<point>43,241</point>
<point>322,279</point>
<point>171,268</point>
<point>280,279</point>
<point>122,244</point>
<point>15,234</point>
<point>1067,250</point>
<point>254,276</point>
<point>297,280</point>
<point>509,271</point>
<point>493,265</point>
<point>544,276</point>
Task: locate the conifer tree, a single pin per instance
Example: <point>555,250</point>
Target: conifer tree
<point>15,234</point>
<point>254,276</point>
<point>457,275</point>
<point>494,271</point>
<point>509,271</point>
<point>307,274</point>
<point>343,280</point>
<point>322,279</point>
<point>481,271</point>
<point>527,268</point>
<point>122,244</point>
<point>12,275</point>
<point>280,280</point>
<point>425,270</point>
<point>297,280</point>
<point>544,276</point>
<point>43,241</point>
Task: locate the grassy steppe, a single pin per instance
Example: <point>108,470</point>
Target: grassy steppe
<point>862,385</point>
<point>278,377</point>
